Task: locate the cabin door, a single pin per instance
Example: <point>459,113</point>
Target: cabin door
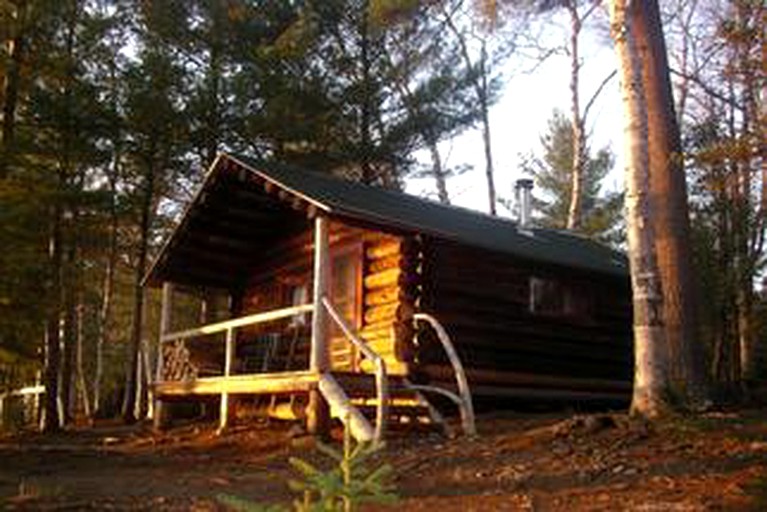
<point>346,295</point>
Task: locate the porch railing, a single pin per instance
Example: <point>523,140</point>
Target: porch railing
<point>243,321</point>
<point>229,327</point>
<point>382,384</point>
<point>463,398</point>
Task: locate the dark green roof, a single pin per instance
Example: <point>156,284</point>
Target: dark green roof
<point>418,215</point>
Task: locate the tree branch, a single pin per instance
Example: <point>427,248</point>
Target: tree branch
<point>597,93</point>
<point>708,90</point>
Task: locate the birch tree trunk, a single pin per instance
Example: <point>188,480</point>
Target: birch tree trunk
<point>82,386</point>
<point>438,172</point>
<point>649,335</point>
<point>574,213</point>
<point>482,93</point>
<point>668,202</point>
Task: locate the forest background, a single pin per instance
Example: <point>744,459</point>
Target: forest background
<point>112,110</point>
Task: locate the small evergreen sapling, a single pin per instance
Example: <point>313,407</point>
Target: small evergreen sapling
<point>342,488</point>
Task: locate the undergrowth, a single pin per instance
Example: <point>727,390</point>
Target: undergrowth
<point>351,482</point>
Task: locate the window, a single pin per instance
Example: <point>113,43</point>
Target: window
<point>344,285</point>
<point>556,297</point>
<point>546,296</point>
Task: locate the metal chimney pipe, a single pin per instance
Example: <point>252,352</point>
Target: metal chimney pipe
<point>523,190</point>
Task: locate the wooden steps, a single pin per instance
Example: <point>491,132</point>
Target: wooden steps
<point>408,410</point>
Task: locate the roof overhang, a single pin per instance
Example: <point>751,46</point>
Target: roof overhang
<point>243,205</point>
<point>236,212</point>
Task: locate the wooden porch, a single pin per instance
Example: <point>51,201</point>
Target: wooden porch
<point>320,384</point>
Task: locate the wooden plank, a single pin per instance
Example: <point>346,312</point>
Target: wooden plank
<point>160,417</point>
<point>257,383</point>
<point>232,226</point>
<point>224,242</point>
<point>240,322</point>
<point>196,277</point>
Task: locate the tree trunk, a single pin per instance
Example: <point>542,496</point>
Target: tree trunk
<point>481,90</point>
<point>105,312</point>
<point>82,386</point>
<point>668,201</point>
<point>438,173</point>
<point>214,115</point>
<point>431,142</point>
<point>66,382</point>
<point>745,334</point>
<point>50,421</point>
<point>366,115</point>
<point>575,211</point>
<point>129,413</point>
<point>140,404</point>
<point>649,334</point>
<point>148,398</point>
<point>482,93</point>
<point>15,49</point>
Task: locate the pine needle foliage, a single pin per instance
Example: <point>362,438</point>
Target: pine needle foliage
<point>351,482</point>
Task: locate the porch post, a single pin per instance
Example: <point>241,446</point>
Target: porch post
<point>160,413</point>
<point>223,417</point>
<point>317,421</point>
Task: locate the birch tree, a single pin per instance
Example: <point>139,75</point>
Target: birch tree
<point>651,357</point>
<point>669,206</point>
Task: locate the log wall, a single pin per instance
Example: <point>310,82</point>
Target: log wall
<point>390,285</point>
<point>483,300</point>
<point>386,295</point>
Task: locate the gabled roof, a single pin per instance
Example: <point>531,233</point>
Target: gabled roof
<point>387,209</point>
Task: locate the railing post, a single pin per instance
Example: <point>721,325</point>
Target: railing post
<point>317,412</point>
<point>160,413</point>
<point>382,383</point>
<point>466,406</point>
<point>223,421</point>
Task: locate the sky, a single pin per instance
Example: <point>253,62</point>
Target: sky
<point>519,119</point>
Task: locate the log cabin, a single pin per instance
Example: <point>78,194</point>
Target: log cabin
<point>368,305</point>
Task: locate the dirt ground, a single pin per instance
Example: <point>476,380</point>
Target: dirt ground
<point>519,462</point>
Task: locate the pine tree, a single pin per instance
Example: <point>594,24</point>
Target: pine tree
<point>601,214</point>
<point>154,151</point>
